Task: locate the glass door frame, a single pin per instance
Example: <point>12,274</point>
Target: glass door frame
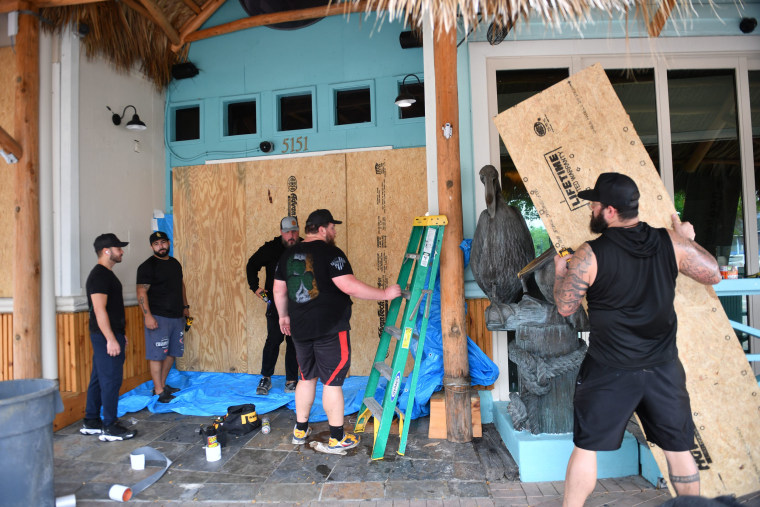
<point>738,53</point>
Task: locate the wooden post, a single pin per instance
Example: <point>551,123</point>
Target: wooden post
<point>26,268</point>
<point>456,368</point>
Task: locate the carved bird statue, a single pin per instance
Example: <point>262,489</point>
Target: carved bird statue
<point>501,246</point>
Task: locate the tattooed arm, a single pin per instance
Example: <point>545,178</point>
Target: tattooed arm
<point>573,278</point>
<point>693,260</point>
<point>142,300</point>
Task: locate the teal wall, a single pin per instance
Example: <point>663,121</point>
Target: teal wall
<point>262,63</point>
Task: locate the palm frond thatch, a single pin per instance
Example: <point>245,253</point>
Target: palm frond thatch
<point>504,13</point>
<point>126,38</point>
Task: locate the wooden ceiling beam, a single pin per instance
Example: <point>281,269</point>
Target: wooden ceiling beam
<point>158,17</point>
<point>660,18</point>
<point>277,17</point>
<point>209,8</point>
<point>138,8</point>
<point>13,5</point>
<point>64,3</point>
<point>193,6</point>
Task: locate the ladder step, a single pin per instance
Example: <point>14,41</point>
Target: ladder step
<point>396,332</point>
<point>393,331</point>
<point>384,369</point>
<point>374,407</point>
<point>409,255</point>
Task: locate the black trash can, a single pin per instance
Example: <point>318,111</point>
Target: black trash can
<point>27,410</point>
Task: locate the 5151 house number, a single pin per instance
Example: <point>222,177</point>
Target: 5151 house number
<point>295,144</point>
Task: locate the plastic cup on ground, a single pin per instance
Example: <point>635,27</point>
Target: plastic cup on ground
<point>214,453</point>
<point>138,461</point>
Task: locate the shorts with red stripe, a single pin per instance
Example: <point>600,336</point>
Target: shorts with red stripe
<point>326,357</point>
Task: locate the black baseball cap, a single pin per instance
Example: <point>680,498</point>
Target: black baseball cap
<point>108,240</point>
<point>158,235</point>
<point>614,189</point>
<point>320,218</point>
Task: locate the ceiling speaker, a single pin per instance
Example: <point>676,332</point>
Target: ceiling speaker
<point>184,70</point>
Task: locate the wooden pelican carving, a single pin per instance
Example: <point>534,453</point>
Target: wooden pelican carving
<point>501,246</point>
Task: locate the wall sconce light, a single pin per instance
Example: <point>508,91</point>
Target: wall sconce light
<point>405,99</point>
<point>134,124</point>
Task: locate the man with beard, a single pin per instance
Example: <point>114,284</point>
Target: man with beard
<point>107,327</point>
<point>628,276</point>
<point>162,299</point>
<point>313,286</point>
<point>267,256</point>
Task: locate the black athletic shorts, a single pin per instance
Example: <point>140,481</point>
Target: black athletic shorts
<point>606,397</point>
<point>325,357</point>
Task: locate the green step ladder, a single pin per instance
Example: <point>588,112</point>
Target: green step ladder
<point>421,258</point>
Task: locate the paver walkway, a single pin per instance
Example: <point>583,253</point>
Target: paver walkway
<point>260,468</point>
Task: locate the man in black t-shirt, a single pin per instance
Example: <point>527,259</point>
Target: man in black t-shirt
<point>628,276</point>
<point>313,286</point>
<point>266,257</point>
<point>107,326</point>
<point>162,299</point>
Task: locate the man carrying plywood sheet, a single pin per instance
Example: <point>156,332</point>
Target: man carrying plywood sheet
<point>628,275</point>
<point>561,140</point>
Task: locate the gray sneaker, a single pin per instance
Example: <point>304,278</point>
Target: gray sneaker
<point>265,384</point>
<point>290,386</point>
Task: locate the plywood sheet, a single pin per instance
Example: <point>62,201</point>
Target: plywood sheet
<point>386,190</point>
<point>7,171</point>
<point>560,141</point>
<point>209,241</point>
<point>275,189</point>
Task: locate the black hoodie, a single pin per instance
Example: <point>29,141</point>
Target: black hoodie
<point>630,303</point>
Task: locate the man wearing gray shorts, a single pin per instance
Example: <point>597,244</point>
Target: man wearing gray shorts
<point>162,299</point>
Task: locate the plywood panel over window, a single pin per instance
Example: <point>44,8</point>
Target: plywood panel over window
<point>209,206</point>
<point>7,101</point>
<point>387,189</point>
<point>276,189</point>
<point>224,213</point>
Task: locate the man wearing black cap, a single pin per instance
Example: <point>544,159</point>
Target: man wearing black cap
<point>266,257</point>
<point>628,276</point>
<point>162,299</point>
<point>107,326</point>
<point>313,286</point>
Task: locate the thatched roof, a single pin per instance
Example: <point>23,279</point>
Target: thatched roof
<point>155,34</point>
<point>125,34</point>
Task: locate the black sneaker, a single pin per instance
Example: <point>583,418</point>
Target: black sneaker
<point>290,386</point>
<point>165,397</point>
<point>116,432</point>
<point>91,427</point>
<point>171,390</point>
<point>265,384</point>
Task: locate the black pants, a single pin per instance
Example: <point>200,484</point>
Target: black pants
<point>272,350</point>
<point>105,381</point>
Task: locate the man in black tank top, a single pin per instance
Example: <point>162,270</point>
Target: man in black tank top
<point>628,276</point>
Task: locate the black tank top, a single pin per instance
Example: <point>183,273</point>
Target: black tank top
<point>630,303</point>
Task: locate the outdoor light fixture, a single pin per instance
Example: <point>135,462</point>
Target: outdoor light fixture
<point>134,124</point>
<point>405,99</point>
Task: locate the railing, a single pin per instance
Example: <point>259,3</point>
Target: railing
<point>741,287</point>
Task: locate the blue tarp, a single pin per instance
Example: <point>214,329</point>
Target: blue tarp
<point>204,393</point>
<point>211,393</point>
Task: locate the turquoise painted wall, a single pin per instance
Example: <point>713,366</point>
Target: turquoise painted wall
<point>263,63</point>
